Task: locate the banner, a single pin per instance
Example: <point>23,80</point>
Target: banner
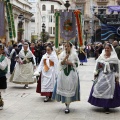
<point>67,25</point>
<point>79,26</point>
<point>12,33</point>
<point>114,8</point>
<point>2,19</point>
<point>110,32</point>
<point>12,20</point>
<point>57,29</point>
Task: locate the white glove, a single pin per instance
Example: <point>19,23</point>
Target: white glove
<point>36,73</point>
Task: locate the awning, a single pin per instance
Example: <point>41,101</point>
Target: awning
<point>114,8</point>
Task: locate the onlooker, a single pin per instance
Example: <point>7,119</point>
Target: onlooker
<point>12,57</point>
<point>117,48</point>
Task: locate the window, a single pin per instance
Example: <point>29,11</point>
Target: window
<point>54,30</point>
<point>33,10</point>
<point>43,19</point>
<point>52,8</point>
<point>50,30</point>
<point>53,19</point>
<point>50,18</point>
<point>102,9</point>
<point>43,8</point>
<point>81,8</point>
<point>33,19</point>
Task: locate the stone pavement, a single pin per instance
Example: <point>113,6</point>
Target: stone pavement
<point>26,104</point>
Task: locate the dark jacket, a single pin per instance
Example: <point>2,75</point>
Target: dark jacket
<point>117,49</point>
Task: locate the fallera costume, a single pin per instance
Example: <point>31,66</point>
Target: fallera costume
<point>48,73</point>
<point>105,91</point>
<point>23,73</point>
<point>67,87</point>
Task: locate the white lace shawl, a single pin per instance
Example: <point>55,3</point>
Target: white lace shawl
<point>28,55</point>
<point>105,86</point>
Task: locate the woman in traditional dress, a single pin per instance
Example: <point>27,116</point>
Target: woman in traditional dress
<point>48,73</point>
<point>3,72</point>
<point>82,56</point>
<point>24,68</point>
<point>106,89</point>
<point>67,88</point>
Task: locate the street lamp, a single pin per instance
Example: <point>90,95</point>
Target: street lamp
<point>43,31</point>
<point>67,5</point>
<point>20,27</point>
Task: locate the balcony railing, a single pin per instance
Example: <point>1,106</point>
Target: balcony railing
<point>80,1</point>
<point>102,1</point>
<point>51,12</point>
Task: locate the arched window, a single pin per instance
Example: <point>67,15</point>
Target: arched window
<point>43,7</point>
<point>43,18</point>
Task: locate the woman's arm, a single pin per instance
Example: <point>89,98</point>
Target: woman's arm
<point>39,69</point>
<point>116,70</point>
<point>3,64</point>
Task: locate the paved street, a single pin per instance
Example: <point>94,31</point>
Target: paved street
<point>26,104</point>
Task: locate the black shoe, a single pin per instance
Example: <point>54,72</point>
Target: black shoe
<point>1,103</point>
<point>26,87</point>
<point>46,99</point>
<point>107,111</point>
<point>82,63</point>
<point>67,111</point>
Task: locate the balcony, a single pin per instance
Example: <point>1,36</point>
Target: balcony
<point>80,1</point>
<point>102,1</point>
<point>51,12</point>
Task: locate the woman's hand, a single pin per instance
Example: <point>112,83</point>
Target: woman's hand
<point>95,76</point>
<point>34,67</point>
<point>117,80</point>
<point>65,60</point>
<point>69,63</point>
<point>66,57</point>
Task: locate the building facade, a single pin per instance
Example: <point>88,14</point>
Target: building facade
<point>22,18</point>
<point>45,14</point>
<point>34,19</point>
<point>88,8</point>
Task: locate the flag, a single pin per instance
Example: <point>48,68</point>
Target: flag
<point>2,19</point>
<point>67,25</point>
<point>10,18</point>
<point>110,32</point>
<point>79,26</point>
<point>57,29</point>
